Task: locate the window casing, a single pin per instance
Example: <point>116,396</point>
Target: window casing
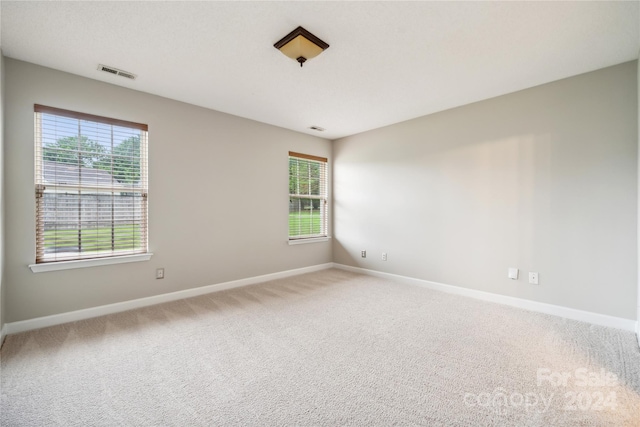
<point>91,185</point>
<point>308,207</point>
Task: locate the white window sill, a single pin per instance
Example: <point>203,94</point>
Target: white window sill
<point>84,263</point>
<point>309,240</point>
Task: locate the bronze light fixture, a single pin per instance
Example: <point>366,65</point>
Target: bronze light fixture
<point>301,45</point>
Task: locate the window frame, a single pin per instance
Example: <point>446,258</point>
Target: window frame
<point>139,188</point>
<point>323,197</point>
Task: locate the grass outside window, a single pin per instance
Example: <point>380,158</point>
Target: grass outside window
<point>120,237</point>
<point>304,223</point>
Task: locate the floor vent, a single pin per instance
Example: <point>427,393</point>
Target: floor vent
<point>117,72</point>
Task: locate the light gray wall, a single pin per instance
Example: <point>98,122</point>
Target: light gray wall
<point>2,287</point>
<point>543,180</point>
<point>218,201</point>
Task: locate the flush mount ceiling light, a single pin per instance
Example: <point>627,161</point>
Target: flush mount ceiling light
<point>301,45</point>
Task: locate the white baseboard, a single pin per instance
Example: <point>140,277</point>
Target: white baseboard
<point>72,316</point>
<point>556,310</point>
<point>569,313</point>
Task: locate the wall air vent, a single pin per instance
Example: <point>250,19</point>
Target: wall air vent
<point>116,71</point>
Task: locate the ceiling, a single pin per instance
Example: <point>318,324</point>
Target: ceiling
<point>387,61</point>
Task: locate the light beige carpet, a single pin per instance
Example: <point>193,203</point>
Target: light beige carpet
<point>323,349</point>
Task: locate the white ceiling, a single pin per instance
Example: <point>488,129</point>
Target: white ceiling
<point>388,61</point>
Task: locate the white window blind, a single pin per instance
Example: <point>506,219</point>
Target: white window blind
<point>307,196</point>
<point>91,186</point>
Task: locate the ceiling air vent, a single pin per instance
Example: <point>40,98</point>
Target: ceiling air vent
<point>117,72</point>
<point>318,128</point>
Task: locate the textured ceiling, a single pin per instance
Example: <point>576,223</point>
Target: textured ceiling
<point>388,61</point>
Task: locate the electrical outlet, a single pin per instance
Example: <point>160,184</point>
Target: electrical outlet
<point>533,278</point>
<point>363,254</point>
<point>159,273</point>
<point>384,256</point>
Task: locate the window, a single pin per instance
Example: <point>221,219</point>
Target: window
<point>307,196</point>
<point>91,186</point>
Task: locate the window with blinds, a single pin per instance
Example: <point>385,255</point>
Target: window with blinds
<point>307,196</point>
<point>90,185</point>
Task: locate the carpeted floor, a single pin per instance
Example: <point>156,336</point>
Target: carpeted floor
<point>322,349</point>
